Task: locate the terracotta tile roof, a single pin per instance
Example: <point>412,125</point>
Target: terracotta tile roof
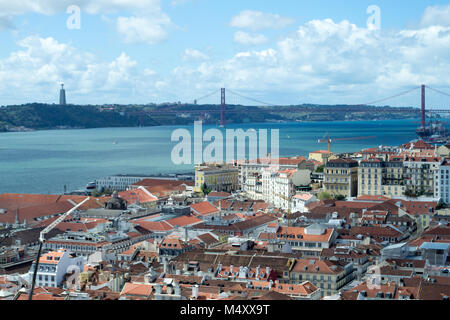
<point>223,204</point>
<point>207,238</point>
<point>343,161</point>
<point>371,160</point>
<point>376,231</point>
<point>173,243</point>
<point>204,208</point>
<point>184,221</point>
<point>416,207</point>
<point>288,172</point>
<point>51,257</point>
<point>370,291</point>
<point>442,231</point>
<point>300,231</point>
<point>273,296</point>
<point>219,194</point>
<point>84,225</point>
<point>92,203</point>
<point>324,212</point>
<point>316,204</point>
<point>154,226</point>
<point>292,161</point>
<point>316,266</point>
<point>243,206</point>
<point>304,197</point>
<point>391,271</point>
<point>137,289</point>
<point>304,289</point>
<point>418,145</point>
<point>41,296</point>
<point>13,201</point>
<point>141,196</point>
<point>387,205</point>
<point>422,159</point>
<point>34,212</point>
<point>241,226</point>
<point>406,262</point>
<point>260,206</point>
<point>433,291</point>
<point>161,188</point>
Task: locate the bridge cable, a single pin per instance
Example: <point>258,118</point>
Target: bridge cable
<point>439,91</point>
<point>208,95</point>
<point>385,99</point>
<point>252,99</point>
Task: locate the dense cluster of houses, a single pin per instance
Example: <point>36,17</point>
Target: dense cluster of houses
<point>276,238</point>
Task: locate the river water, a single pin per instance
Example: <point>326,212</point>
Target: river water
<point>45,161</point>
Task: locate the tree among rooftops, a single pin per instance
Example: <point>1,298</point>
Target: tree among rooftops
<point>102,192</point>
<point>440,205</point>
<point>324,196</point>
<point>205,189</point>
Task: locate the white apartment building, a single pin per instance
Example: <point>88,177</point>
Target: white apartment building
<point>420,174</point>
<point>253,187</point>
<point>278,187</point>
<point>300,201</point>
<point>284,189</point>
<point>249,168</point>
<point>53,266</point>
<point>442,186</point>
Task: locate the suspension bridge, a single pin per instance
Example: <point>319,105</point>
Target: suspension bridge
<point>223,95</point>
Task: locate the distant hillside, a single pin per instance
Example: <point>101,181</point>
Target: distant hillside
<point>50,116</point>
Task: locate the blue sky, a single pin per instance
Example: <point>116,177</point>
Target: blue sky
<point>284,51</point>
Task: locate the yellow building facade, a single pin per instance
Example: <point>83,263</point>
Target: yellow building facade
<point>217,177</point>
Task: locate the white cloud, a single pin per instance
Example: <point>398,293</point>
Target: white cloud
<point>257,20</point>
<point>33,73</point>
<point>146,24</point>
<point>120,71</point>
<point>436,15</point>
<point>327,61</point>
<point>194,55</point>
<point>248,39</point>
<point>323,62</point>
<point>143,29</point>
<point>50,7</point>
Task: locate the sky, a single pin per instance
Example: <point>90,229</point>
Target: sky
<point>278,52</point>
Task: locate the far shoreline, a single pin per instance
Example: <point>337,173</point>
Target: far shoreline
<point>28,130</point>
